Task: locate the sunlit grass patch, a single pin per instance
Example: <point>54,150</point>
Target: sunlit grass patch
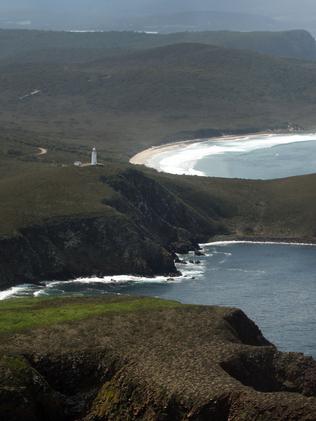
<point>20,314</point>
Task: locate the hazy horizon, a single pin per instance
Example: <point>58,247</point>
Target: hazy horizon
<point>283,14</point>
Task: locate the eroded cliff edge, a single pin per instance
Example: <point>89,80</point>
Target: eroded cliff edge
<point>146,359</point>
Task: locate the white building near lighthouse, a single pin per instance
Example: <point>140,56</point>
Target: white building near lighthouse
<point>94,157</point>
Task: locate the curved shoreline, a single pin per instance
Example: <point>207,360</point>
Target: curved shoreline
<point>181,158</point>
<point>144,156</point>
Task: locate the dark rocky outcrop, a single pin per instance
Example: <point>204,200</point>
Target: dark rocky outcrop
<point>186,362</point>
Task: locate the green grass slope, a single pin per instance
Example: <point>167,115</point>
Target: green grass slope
<point>18,315</point>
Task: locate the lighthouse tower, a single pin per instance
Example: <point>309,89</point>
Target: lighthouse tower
<point>94,160</point>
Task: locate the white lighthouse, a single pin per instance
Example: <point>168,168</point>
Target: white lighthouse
<point>94,159</point>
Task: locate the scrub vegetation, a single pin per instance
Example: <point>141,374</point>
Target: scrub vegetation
<point>141,359</point>
<point>127,101</point>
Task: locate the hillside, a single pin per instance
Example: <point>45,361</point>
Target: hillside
<point>126,103</point>
<point>130,358</point>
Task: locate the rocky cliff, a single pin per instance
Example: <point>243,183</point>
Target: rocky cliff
<point>150,363</point>
<point>142,225</point>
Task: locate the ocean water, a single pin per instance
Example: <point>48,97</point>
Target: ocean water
<point>274,284</point>
<point>253,157</point>
<point>267,163</point>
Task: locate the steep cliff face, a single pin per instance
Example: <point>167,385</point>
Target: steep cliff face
<point>77,247</point>
<point>176,363</point>
<point>141,227</point>
<point>168,219</point>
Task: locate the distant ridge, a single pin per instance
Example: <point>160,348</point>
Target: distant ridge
<point>68,46</point>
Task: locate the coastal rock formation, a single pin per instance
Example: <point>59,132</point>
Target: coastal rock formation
<point>76,247</point>
<point>176,363</point>
<point>142,226</point>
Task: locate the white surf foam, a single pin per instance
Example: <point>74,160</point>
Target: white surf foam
<point>14,291</point>
<point>281,243</point>
<point>182,159</point>
<point>190,270</point>
<point>109,280</point>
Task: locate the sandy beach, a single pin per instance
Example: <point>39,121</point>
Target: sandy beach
<point>142,157</point>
